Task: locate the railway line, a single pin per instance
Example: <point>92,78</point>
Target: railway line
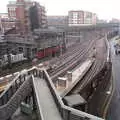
<point>95,69</point>
<point>89,86</point>
<point>73,60</point>
<point>97,66</point>
<point>87,78</point>
<point>70,51</point>
<point>75,48</point>
<point>69,59</point>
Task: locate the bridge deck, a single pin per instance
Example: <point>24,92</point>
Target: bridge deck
<point>46,100</point>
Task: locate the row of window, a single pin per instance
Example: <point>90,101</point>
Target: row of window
<point>12,13</point>
<point>12,9</point>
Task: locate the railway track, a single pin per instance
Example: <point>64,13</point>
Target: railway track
<point>69,54</point>
<point>90,75</point>
<point>71,50</point>
<point>95,69</point>
<point>87,78</point>
<point>66,59</point>
<point>70,63</point>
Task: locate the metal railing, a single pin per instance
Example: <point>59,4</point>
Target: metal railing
<point>22,85</point>
<point>66,112</point>
<point>12,97</point>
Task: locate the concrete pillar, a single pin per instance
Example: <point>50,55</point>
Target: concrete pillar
<point>61,83</point>
<point>69,76</point>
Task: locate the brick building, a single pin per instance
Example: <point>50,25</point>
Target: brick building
<point>76,18</point>
<point>20,10</point>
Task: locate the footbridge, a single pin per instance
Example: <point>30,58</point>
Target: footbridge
<point>37,84</point>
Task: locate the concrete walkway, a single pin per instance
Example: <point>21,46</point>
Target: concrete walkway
<point>79,71</point>
<point>46,100</point>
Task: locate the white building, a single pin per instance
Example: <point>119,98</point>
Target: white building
<point>79,18</point>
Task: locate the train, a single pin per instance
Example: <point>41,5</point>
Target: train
<point>11,58</point>
<point>41,53</point>
<point>48,51</point>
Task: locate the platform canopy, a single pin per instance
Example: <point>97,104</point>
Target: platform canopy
<point>74,100</point>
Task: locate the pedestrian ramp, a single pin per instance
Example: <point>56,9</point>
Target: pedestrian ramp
<point>46,103</point>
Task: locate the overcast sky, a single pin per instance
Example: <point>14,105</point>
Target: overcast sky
<point>105,9</point>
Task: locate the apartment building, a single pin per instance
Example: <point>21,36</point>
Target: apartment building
<point>76,18</point>
<point>20,10</point>
<point>38,18</point>
<point>6,23</point>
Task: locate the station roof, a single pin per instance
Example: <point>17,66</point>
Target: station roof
<point>74,100</point>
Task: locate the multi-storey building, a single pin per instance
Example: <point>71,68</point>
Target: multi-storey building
<point>12,9</point>
<point>20,10</point>
<point>37,16</point>
<point>57,21</point>
<point>114,20</point>
<point>94,18</point>
<point>76,18</point>
<point>6,23</point>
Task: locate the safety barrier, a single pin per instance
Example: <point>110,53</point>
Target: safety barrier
<point>13,96</point>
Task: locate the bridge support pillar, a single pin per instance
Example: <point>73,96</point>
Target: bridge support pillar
<point>69,76</point>
<point>61,83</point>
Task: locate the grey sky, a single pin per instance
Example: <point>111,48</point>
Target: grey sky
<point>105,9</point>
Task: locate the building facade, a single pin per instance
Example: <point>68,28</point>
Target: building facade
<point>76,18</point>
<point>37,15</point>
<point>6,23</point>
<point>20,10</point>
<point>57,21</point>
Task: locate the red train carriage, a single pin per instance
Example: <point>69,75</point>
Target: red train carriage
<point>47,52</point>
<point>40,54</point>
<point>55,49</point>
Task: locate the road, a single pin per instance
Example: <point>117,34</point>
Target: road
<point>114,111</point>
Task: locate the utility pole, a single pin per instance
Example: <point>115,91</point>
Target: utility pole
<point>9,57</point>
<point>64,40</point>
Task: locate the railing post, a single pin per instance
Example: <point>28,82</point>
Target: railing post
<point>5,98</point>
<point>2,101</point>
<point>40,73</point>
<point>24,78</point>
<point>34,72</point>
<point>12,90</point>
<point>65,114</point>
<point>33,99</point>
<point>20,80</point>
<point>15,85</point>
<point>20,77</point>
